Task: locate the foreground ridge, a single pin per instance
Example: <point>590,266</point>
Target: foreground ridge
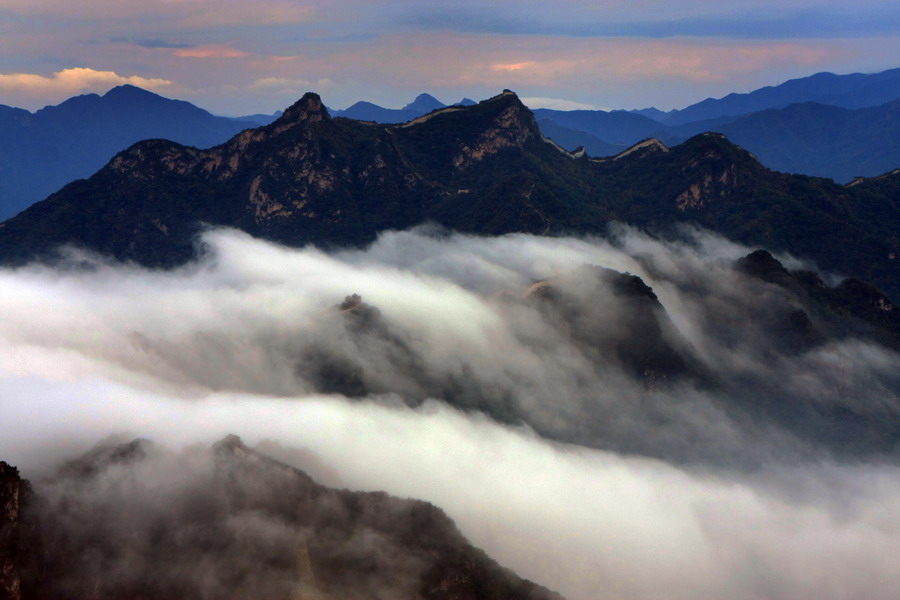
<point>229,521</point>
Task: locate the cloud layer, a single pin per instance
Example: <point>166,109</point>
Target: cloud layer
<point>733,504</point>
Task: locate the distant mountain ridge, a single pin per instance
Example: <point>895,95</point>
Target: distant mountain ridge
<point>856,90</point>
<point>422,105</point>
<point>42,151</point>
<point>826,125</point>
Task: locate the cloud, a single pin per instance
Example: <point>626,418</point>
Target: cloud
<point>75,80</point>
<point>151,43</point>
<point>279,85</point>
<point>210,51</point>
<point>589,524</point>
<point>658,20</point>
<point>728,478</point>
<point>180,14</point>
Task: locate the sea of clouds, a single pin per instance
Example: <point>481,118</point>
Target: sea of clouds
<point>678,493</point>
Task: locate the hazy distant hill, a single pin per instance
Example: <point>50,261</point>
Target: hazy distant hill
<point>41,152</point>
<point>366,111</point>
<point>616,127</point>
<point>258,119</point>
<point>817,139</point>
<point>849,91</point>
<point>484,169</point>
<point>572,139</point>
<point>808,126</point>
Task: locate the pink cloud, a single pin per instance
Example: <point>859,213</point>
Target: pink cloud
<point>75,80</point>
<point>210,51</point>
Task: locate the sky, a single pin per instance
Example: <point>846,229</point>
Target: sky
<point>235,57</point>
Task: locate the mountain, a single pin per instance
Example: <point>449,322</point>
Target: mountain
<point>849,91</point>
<point>822,140</point>
<point>43,151</point>
<point>308,178</point>
<point>809,138</point>
<point>258,119</point>
<point>616,127</point>
<point>134,521</point>
<point>423,104</point>
<point>572,139</point>
<point>366,111</point>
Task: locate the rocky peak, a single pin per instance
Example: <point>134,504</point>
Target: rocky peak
<point>508,124</point>
<point>762,265</point>
<point>229,445</point>
<point>308,109</point>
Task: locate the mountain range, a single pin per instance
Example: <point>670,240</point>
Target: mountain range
<point>852,91</point>
<point>825,125</point>
<point>794,127</point>
<point>310,178</point>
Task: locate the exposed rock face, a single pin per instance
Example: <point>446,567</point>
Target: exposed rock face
<point>15,493</point>
<point>135,522</point>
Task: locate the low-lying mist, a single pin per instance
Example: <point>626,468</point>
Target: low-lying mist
<point>594,440</point>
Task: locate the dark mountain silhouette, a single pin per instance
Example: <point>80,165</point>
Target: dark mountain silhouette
<point>308,178</point>
<point>228,522</point>
<point>43,151</point>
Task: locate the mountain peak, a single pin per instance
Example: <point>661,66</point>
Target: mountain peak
<point>128,91</point>
<point>424,103</point>
<point>309,108</point>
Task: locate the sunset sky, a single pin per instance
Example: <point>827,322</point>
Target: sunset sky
<point>239,57</point>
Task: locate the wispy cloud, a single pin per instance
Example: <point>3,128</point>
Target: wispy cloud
<point>153,43</point>
<point>650,19</point>
<point>210,51</point>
